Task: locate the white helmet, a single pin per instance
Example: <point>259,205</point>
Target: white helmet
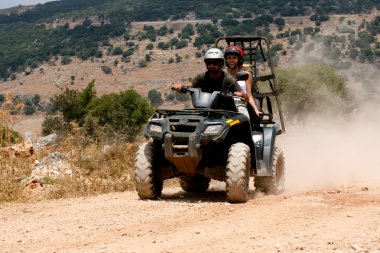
<point>214,54</point>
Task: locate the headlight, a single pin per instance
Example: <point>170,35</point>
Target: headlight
<point>212,129</point>
<point>153,128</point>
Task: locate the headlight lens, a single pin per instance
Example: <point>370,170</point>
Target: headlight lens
<point>153,128</point>
<point>212,129</point>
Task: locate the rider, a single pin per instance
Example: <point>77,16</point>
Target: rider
<point>234,60</point>
<point>215,79</point>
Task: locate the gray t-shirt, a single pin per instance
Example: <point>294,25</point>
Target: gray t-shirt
<point>208,84</point>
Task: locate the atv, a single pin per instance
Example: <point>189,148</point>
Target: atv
<point>214,141</point>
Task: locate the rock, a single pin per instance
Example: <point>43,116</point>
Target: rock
<point>356,247</point>
<point>54,165</point>
<point>44,141</point>
<point>34,185</point>
<point>18,150</point>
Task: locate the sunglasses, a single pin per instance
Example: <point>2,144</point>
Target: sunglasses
<point>215,63</point>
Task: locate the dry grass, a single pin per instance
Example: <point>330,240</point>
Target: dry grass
<point>96,169</point>
<point>98,166</point>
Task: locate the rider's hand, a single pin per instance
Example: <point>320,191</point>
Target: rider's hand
<point>242,95</point>
<point>259,113</point>
<point>177,87</point>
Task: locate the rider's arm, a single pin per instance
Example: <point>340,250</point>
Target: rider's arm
<point>251,100</point>
<point>178,86</point>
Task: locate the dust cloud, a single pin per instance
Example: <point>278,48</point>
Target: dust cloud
<point>332,149</point>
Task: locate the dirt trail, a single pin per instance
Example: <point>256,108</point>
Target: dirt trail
<point>331,203</point>
<point>340,219</point>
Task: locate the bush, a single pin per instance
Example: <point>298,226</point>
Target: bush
<point>163,46</point>
<point>149,46</point>
<point>120,115</point>
<point>8,136</point>
<point>28,110</point>
<point>106,69</point>
<point>55,124</point>
<point>72,103</point>
<point>178,58</point>
<point>181,97</point>
<point>142,63</point>
<point>129,52</point>
<point>155,97</point>
<point>198,54</point>
<point>2,99</point>
<point>311,88</point>
<point>125,112</point>
<point>117,51</point>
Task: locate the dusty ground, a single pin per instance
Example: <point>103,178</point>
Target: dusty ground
<point>331,204</point>
<point>339,219</point>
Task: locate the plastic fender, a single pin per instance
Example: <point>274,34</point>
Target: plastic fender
<point>269,134</point>
<point>242,121</point>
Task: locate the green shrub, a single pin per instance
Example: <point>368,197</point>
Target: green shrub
<point>155,97</point>
<point>106,69</point>
<point>8,136</point>
<point>55,124</point>
<point>125,112</point>
<point>143,63</point>
<point>117,51</point>
<point>178,58</point>
<point>312,88</point>
<point>149,46</point>
<point>2,99</point>
<point>72,103</point>
<point>129,52</point>
<point>120,115</point>
<point>28,110</point>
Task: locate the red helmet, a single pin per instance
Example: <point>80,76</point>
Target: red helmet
<point>235,50</point>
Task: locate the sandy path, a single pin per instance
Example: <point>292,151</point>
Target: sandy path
<point>341,219</point>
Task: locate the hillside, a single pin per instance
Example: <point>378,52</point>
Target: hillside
<point>67,44</point>
<point>51,77</point>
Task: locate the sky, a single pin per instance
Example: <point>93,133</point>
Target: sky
<point>11,3</point>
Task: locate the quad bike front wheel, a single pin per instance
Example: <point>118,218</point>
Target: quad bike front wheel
<point>237,173</point>
<point>275,183</point>
<point>147,186</point>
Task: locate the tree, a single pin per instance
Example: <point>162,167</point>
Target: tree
<point>187,31</point>
<point>280,22</point>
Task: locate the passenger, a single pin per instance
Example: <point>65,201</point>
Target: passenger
<point>234,60</point>
<point>215,79</point>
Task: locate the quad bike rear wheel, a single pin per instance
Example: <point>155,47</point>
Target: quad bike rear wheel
<point>237,173</point>
<point>197,183</point>
<point>275,183</point>
<point>147,186</point>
